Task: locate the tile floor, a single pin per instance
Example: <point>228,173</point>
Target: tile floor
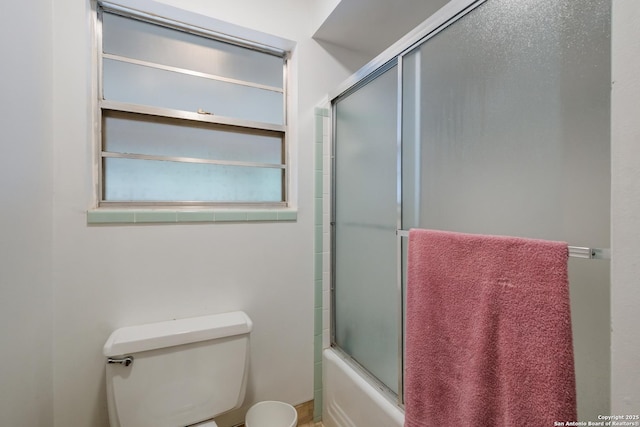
<point>309,424</point>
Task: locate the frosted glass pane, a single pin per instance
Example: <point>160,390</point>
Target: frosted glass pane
<point>161,45</point>
<point>139,134</point>
<point>506,131</point>
<point>146,180</point>
<point>136,84</point>
<point>366,298</point>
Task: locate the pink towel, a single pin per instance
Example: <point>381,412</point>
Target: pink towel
<point>488,332</point>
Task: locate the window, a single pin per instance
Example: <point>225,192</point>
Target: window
<point>188,118</point>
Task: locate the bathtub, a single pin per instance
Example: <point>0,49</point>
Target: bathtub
<point>351,400</point>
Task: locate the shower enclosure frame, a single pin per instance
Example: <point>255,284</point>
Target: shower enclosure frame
<point>399,55</point>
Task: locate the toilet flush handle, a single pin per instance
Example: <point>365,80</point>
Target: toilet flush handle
<point>126,360</point>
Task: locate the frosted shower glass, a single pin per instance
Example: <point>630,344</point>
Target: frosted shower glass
<point>506,131</point>
<point>366,216</point>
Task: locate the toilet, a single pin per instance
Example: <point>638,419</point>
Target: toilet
<point>177,373</point>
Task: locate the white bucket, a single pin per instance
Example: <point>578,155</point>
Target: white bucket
<point>271,414</point>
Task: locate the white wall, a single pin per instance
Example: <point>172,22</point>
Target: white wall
<point>110,276</point>
<point>321,11</point>
<point>25,216</point>
<point>625,208</point>
<point>284,18</point>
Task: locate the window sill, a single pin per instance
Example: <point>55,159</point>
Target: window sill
<point>171,216</point>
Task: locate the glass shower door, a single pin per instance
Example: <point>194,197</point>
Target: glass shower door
<point>365,218</point>
<point>506,131</point>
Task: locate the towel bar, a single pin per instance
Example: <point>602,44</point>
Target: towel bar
<point>574,251</point>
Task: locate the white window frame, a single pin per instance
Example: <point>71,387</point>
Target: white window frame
<point>182,20</point>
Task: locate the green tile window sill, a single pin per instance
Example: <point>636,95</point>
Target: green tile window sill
<point>169,216</point>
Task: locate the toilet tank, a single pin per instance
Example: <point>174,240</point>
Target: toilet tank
<point>183,371</point>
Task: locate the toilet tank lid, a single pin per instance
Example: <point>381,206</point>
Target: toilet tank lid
<point>135,339</point>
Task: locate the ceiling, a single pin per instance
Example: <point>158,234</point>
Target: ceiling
<point>371,26</point>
